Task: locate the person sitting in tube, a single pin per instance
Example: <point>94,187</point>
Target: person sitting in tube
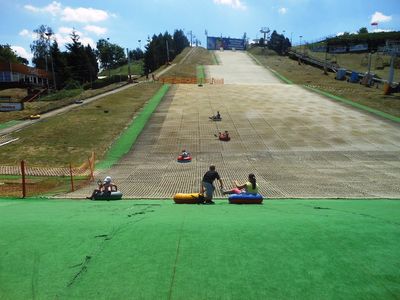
<point>184,153</point>
<point>250,187</point>
<point>223,136</point>
<point>216,117</point>
<point>104,188</point>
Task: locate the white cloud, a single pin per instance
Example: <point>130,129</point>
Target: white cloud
<point>54,8</point>
<point>96,29</point>
<point>282,10</point>
<point>69,14</point>
<point>22,52</point>
<point>380,18</point>
<point>342,33</point>
<point>382,30</point>
<point>31,8</point>
<point>84,15</point>
<point>27,33</point>
<point>237,4</point>
<point>65,30</point>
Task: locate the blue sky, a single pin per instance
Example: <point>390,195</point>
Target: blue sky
<point>126,22</point>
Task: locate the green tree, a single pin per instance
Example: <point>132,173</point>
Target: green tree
<point>91,63</point>
<point>362,30</point>
<point>136,54</point>
<point>59,58</point>
<point>278,43</point>
<point>81,60</point>
<point>156,53</point>
<point>180,41</point>
<point>110,55</point>
<point>40,46</point>
<point>7,54</point>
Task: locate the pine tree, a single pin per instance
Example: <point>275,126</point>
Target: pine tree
<point>40,47</point>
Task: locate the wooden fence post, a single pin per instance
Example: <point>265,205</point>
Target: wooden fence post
<point>72,177</point>
<point>91,166</point>
<point>91,170</point>
<point>23,179</point>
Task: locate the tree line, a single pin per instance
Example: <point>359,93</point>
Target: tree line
<point>7,54</point>
<point>79,64</point>
<point>277,42</point>
<point>163,48</point>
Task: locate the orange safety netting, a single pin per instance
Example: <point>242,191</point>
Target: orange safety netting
<point>24,180</point>
<point>188,80</point>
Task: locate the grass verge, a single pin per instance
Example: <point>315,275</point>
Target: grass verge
<point>187,62</point>
<point>54,101</point>
<point>306,249</point>
<point>136,69</point>
<point>72,136</point>
<point>129,136</point>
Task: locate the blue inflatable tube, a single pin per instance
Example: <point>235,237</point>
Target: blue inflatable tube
<point>245,198</point>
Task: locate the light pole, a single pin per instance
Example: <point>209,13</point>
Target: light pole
<point>265,31</point>
<point>129,66</point>
<point>109,57</point>
<point>140,44</point>
<point>300,42</point>
<point>283,40</point>
<point>49,34</point>
<point>166,43</point>
<point>191,37</point>
<point>291,40</point>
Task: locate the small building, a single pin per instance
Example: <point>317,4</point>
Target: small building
<point>14,74</point>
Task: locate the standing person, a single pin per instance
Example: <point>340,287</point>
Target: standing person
<point>207,184</point>
<point>250,187</point>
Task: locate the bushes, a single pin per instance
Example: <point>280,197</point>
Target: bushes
<point>62,94</point>
<point>99,83</point>
<point>72,85</point>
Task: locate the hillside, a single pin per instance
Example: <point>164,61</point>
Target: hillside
<point>307,75</point>
<point>187,61</point>
<point>136,69</point>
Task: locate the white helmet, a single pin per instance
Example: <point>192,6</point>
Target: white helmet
<point>107,179</point>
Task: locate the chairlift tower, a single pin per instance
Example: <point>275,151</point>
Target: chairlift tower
<point>265,31</point>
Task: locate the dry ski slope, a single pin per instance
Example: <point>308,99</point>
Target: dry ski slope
<point>298,144</point>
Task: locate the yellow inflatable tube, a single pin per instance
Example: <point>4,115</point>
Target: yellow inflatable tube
<point>181,198</point>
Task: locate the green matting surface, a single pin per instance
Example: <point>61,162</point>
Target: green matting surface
<point>124,143</point>
<point>9,124</point>
<point>304,249</point>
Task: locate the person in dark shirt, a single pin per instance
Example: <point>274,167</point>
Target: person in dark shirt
<point>207,184</point>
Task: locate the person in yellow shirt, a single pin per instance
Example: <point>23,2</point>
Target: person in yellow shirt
<point>250,187</point>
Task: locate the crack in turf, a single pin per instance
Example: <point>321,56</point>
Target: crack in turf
<point>176,259</point>
<point>81,270</point>
<point>101,235</point>
<point>139,213</point>
<point>83,266</point>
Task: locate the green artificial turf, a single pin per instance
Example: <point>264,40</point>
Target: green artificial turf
<point>200,74</point>
<point>129,136</point>
<point>144,249</point>
<point>9,124</point>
